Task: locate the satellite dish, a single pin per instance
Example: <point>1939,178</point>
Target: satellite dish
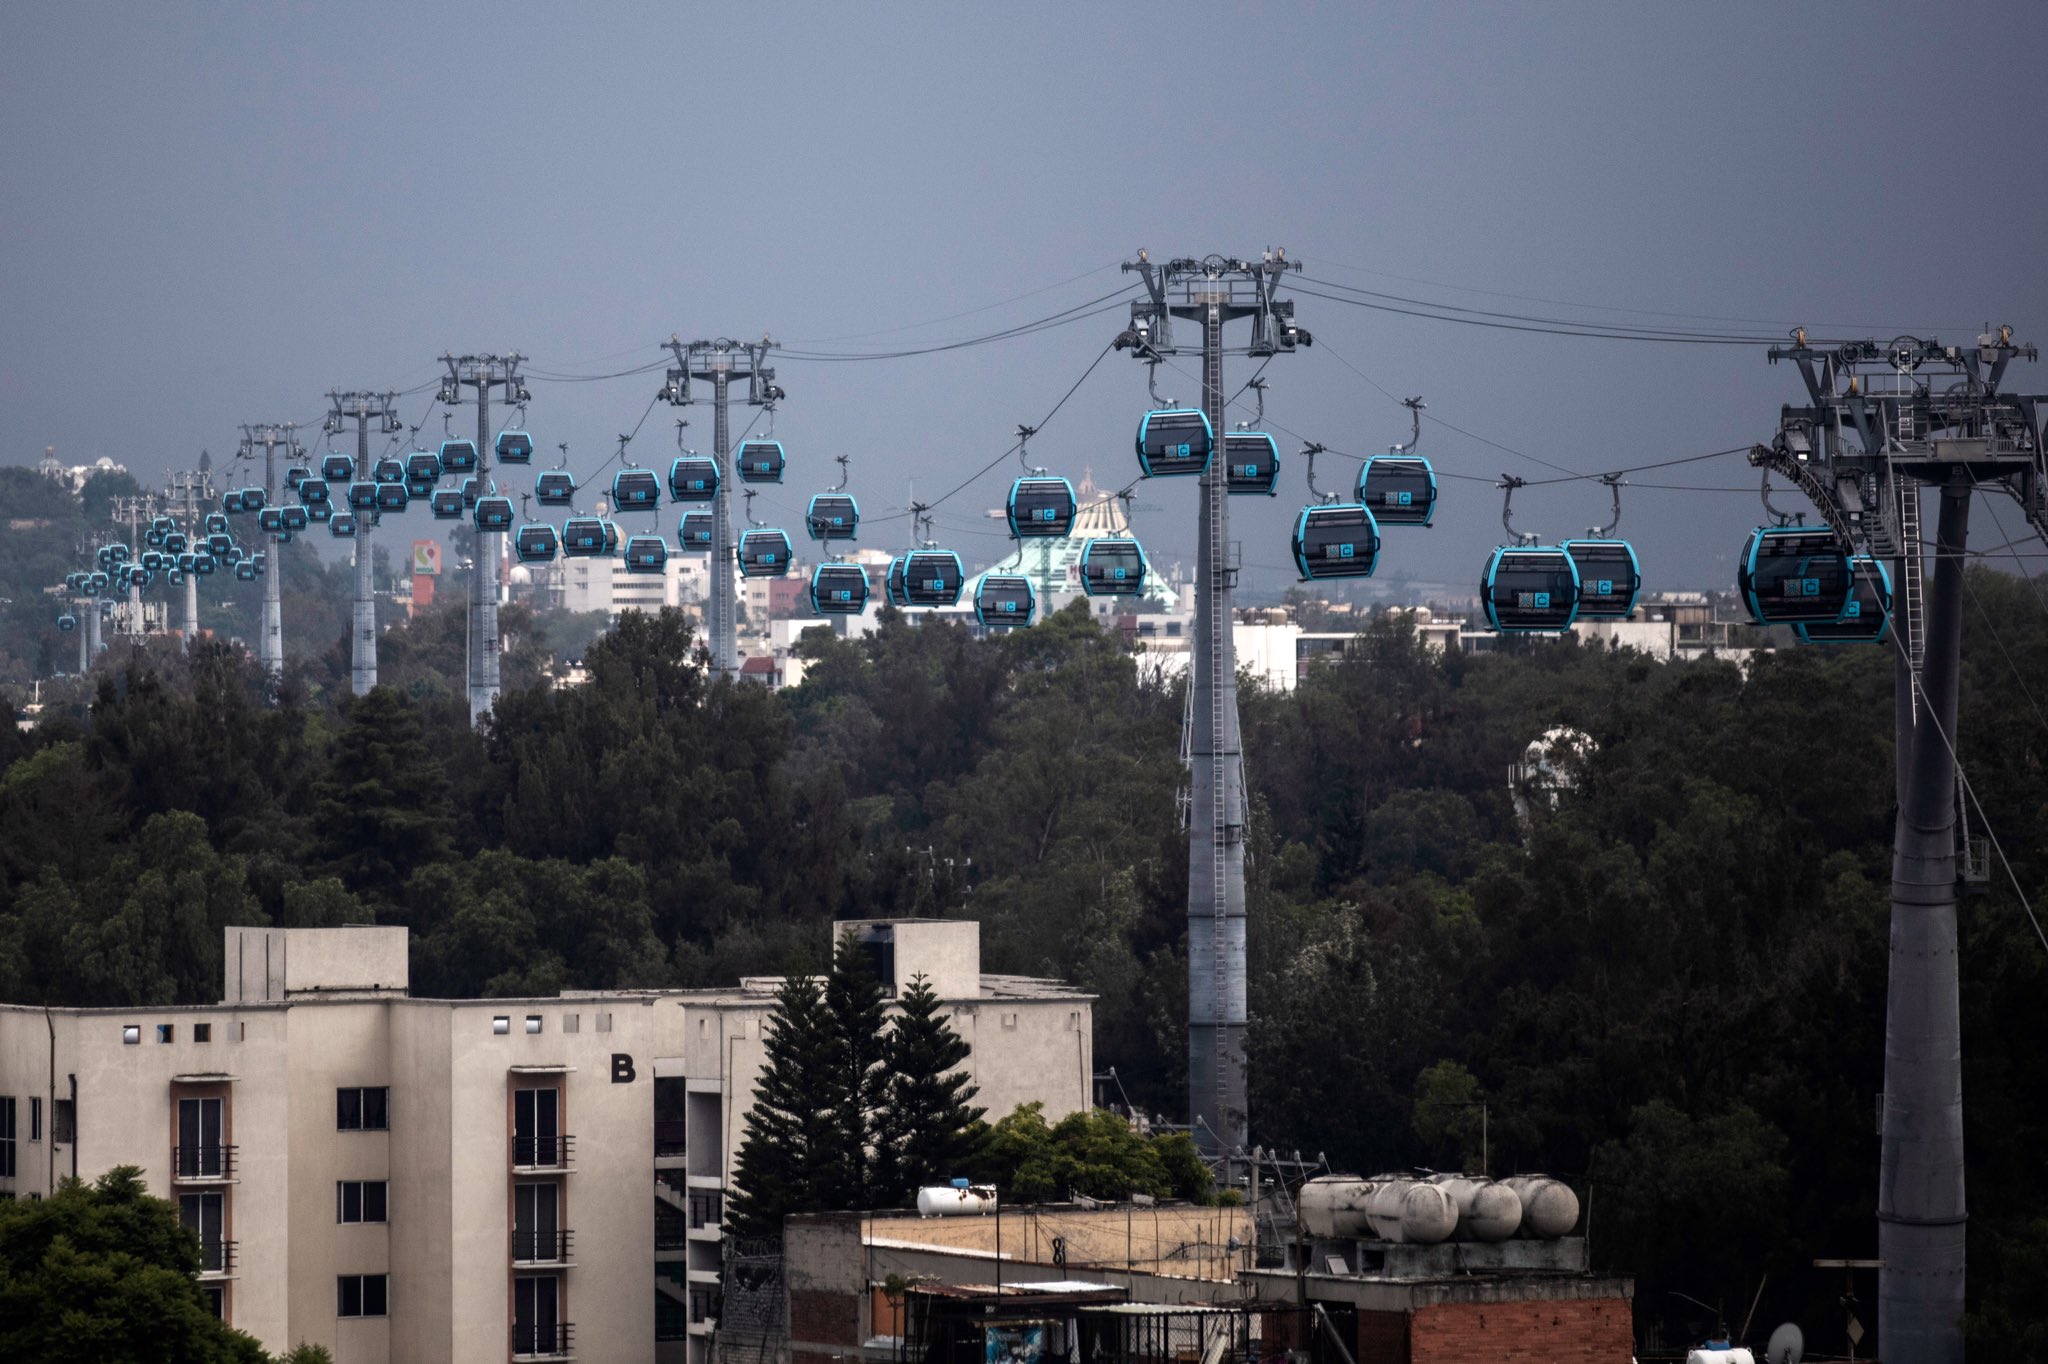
<point>1787,1345</point>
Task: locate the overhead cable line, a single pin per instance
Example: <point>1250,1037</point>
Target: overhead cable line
<point>954,317</point>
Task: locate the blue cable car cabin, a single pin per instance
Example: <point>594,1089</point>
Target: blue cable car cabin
<point>493,514</point>
<point>295,519</point>
<point>458,456</point>
<point>1041,507</point>
<point>314,492</point>
<point>1867,618</point>
<point>513,447</point>
<point>245,571</point>
<point>446,504</point>
<point>392,497</point>
<point>141,578</point>
<point>693,478</point>
<point>187,562</point>
<point>362,496</point>
<point>419,489</point>
<point>177,542</point>
<point>231,501</point>
<point>117,554</point>
<point>422,465</point>
<point>611,538</point>
<point>760,461</point>
<point>833,516</point>
<point>1112,566</point>
<point>893,583</point>
<point>1251,462</point>
<point>933,577</point>
<point>174,576</point>
<point>235,554</point>
<point>153,537</point>
<point>202,564</point>
<point>219,545</point>
<point>1609,578</point>
<point>1175,441</point>
<point>153,560</point>
<point>1794,575</point>
<point>472,489</point>
<point>261,558</point>
<point>216,524</point>
<point>635,490</point>
<point>536,543</point>
<point>319,511</point>
<point>390,469</point>
<point>1004,600</point>
<point>99,582</point>
<point>336,467</point>
<point>1399,490</point>
<point>763,553</point>
<point>582,537</point>
<point>646,554</point>
<point>839,590</point>
<point>67,623</point>
<point>695,533</point>
<point>554,488</point>
<point>74,581</point>
<point>270,520</point>
<point>1530,589</point>
<point>296,475</point>
<point>1336,540</point>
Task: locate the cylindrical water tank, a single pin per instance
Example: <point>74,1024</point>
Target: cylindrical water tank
<point>1333,1207</point>
<point>1737,1355</point>
<point>1487,1211</point>
<point>1549,1208</point>
<point>1404,1209</point>
<point>951,1200</point>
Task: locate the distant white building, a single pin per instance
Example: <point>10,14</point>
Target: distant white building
<point>73,476</point>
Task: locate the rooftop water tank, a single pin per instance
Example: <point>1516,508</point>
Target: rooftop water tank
<point>1487,1211</point>
<point>953,1200</point>
<point>1333,1207</point>
<point>1549,1208</point>
<point>1411,1211</point>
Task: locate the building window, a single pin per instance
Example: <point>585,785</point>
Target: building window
<point>604,1022</point>
<point>572,1022</point>
<point>360,1200</point>
<point>166,1032</point>
<point>202,1032</point>
<point>363,1110</point>
<point>237,1031</point>
<point>216,1299</point>
<point>533,1023</point>
<point>6,1137</point>
<point>1009,1020</point>
<point>63,1121</point>
<point>501,1025</point>
<point>131,1034</point>
<point>361,1295</point>
<point>35,1119</point>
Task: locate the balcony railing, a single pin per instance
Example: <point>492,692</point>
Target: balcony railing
<point>192,1163</point>
<point>531,1340</point>
<point>216,1257</point>
<point>668,1136</point>
<point>671,1228</point>
<point>541,1153</point>
<point>706,1208</point>
<point>540,1247</point>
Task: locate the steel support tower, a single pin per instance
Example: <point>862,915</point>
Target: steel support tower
<point>270,632</point>
<point>188,495</point>
<point>1882,423</point>
<point>721,362</point>
<point>131,512</point>
<point>363,408</point>
<point>1210,293</point>
<point>483,373</point>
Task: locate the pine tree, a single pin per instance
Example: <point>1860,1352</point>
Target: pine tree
<point>781,1158</point>
<point>924,1132</point>
<point>854,1005</point>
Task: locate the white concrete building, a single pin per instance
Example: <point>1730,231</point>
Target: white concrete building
<point>462,1180</point>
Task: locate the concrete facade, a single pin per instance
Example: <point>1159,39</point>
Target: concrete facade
<point>518,1142</point>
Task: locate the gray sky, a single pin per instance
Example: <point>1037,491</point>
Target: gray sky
<point>212,214</point>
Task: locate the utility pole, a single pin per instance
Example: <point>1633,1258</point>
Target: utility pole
<point>186,493</point>
<point>270,633</point>
<point>1211,292</point>
<point>1882,422</point>
<point>364,407</point>
<point>722,361</point>
<point>482,373</point>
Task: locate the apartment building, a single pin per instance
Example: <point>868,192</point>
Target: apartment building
<point>465,1180</point>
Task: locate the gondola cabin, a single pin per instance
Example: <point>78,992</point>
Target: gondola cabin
<point>422,466</point>
<point>1175,441</point>
<point>1609,578</point>
<point>153,560</point>
<point>493,514</point>
<point>513,447</point>
<point>74,582</point>
<point>554,488</point>
<point>202,564</point>
<point>216,524</point>
<point>933,577</point>
<point>389,469</point>
<point>1867,618</point>
<point>833,516</point>
<point>646,554</point>
<point>98,583</point>
<point>270,520</point>
<point>362,496</point>
<point>611,537</point>
<point>219,545</point>
<point>231,501</point>
<point>314,492</point>
<point>472,489</point>
<point>1336,540</point>
<point>177,542</point>
<point>296,475</point>
<point>245,571</point>
<point>760,461</point>
<point>1041,507</point>
<point>696,531</point>
<point>67,623</point>
<point>295,519</point>
<point>582,537</point>
<point>141,578</point>
<point>446,504</point>
<point>187,563</point>
<point>319,511</point>
<point>458,456</point>
<point>1530,589</point>
<point>763,554</point>
<point>839,590</point>
<point>1794,575</point>
<point>1112,567</point>
<point>337,468</point>
<point>173,576</point>
<point>635,490</point>
<point>1003,600</point>
<point>693,478</point>
<point>235,554</point>
<point>261,558</point>
<point>535,544</point>
<point>1251,462</point>
<point>392,497</point>
<point>893,582</point>
<point>1399,490</point>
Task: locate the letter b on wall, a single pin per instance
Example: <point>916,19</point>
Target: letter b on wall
<point>622,1068</point>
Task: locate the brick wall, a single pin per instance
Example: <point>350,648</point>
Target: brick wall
<point>1589,1331</point>
<point>1383,1337</point>
<point>822,1318</point>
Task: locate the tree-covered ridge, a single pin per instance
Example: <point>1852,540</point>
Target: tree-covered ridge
<point>1669,987</point>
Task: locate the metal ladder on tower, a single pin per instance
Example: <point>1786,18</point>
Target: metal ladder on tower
<point>1912,595</point>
